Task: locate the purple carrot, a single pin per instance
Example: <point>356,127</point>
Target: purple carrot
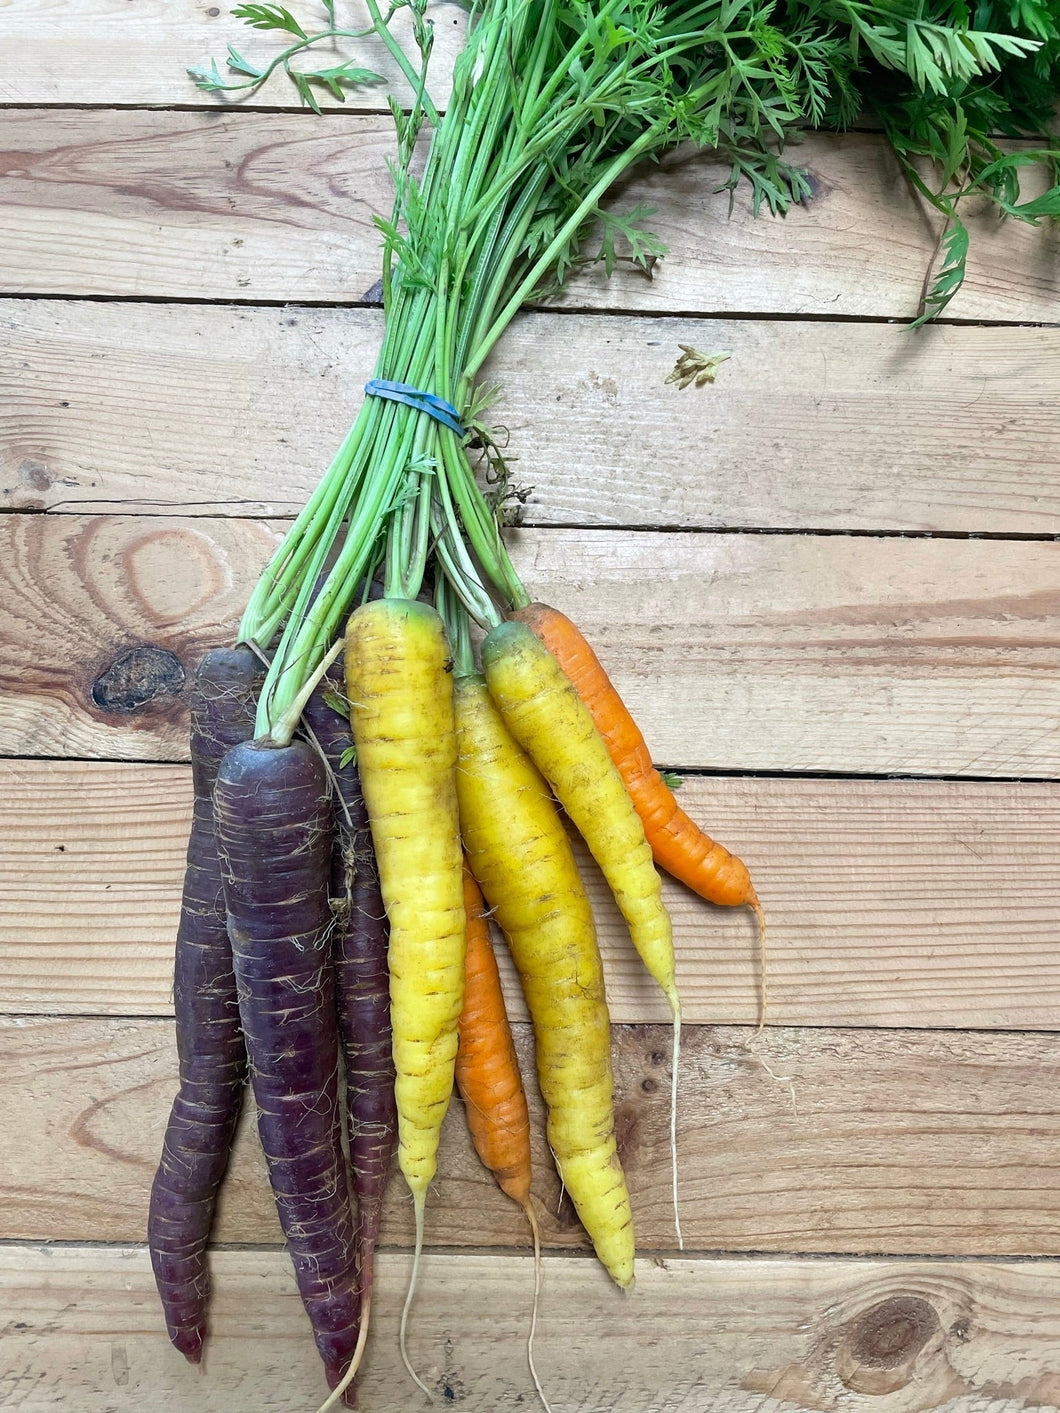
<point>210,1050</point>
<point>362,980</point>
<point>273,813</point>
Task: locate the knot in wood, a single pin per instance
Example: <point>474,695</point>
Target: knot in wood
<point>627,1133</point>
<point>882,1345</point>
<point>893,1331</point>
<point>137,677</point>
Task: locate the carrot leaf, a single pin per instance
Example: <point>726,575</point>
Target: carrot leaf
<point>954,250</point>
<point>269,17</point>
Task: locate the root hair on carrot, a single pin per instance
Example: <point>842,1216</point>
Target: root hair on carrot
<point>673,1116</point>
<point>418,1198</point>
<point>335,1396</point>
<point>531,1217</point>
<point>763,988</point>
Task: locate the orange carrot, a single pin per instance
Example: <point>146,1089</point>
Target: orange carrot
<point>487,1071</point>
<point>488,1078</point>
<point>677,843</point>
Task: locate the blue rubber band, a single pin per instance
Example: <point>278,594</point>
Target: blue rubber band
<point>435,407</point>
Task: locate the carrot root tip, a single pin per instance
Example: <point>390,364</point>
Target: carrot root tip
<point>419,1199</point>
<point>763,991</point>
<point>673,1119</point>
<point>342,1390</point>
<point>536,1233</point>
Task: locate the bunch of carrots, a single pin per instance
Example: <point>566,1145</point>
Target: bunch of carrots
<point>353,829</point>
<point>338,907</point>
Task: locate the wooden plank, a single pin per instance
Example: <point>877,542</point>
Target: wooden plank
<point>735,652</point>
<point>115,612</point>
<point>732,1335</point>
<point>201,205</point>
<point>104,53</point>
<point>254,206</point>
<point>882,896</point>
<point>237,411</point>
<point>810,1140</point>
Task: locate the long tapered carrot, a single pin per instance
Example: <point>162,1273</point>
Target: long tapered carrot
<point>210,1048</point>
<point>490,1084</point>
<point>677,842</point>
<point>401,699</point>
<point>487,1071</point>
<point>272,810</point>
<point>520,855</point>
<point>545,715</point>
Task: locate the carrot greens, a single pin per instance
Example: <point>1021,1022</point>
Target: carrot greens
<point>552,103</point>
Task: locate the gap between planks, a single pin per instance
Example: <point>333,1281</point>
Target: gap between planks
<point>569,307</point>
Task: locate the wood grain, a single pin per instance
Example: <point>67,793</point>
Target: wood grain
<point>251,206</point>
<point>735,652</point>
<point>105,53</point>
<point>890,903</point>
<point>210,410</point>
<point>201,205</point>
<point>104,621</point>
<point>732,1335</point>
<point>794,1140</point>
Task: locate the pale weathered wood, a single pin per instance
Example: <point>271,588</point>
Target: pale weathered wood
<point>794,1140</point>
<point>216,205</point>
<point>735,652</point>
<point>729,1335</point>
<point>890,903</point>
<point>105,53</point>
<point>279,206</point>
<point>82,601</point>
<point>833,426</point>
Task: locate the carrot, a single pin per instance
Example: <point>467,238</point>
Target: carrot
<point>678,844</point>
<point>274,837</point>
<point>519,852</point>
<point>362,994</point>
<point>401,701</point>
<point>210,1049</point>
<point>488,1078</point>
<point>545,715</point>
<point>487,1071</point>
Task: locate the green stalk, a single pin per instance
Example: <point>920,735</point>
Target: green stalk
<point>552,104</point>
<point>615,169</point>
<point>415,80</point>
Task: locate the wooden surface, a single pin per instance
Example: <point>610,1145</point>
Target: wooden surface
<point>948,647</point>
<point>125,406</point>
<point>883,899</point>
<point>829,587</point>
<point>199,204</point>
<point>797,1140</point>
<point>743,1335</point>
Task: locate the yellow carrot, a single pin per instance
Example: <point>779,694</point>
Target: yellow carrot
<point>519,852</point>
<point>402,718</point>
<point>552,724</point>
